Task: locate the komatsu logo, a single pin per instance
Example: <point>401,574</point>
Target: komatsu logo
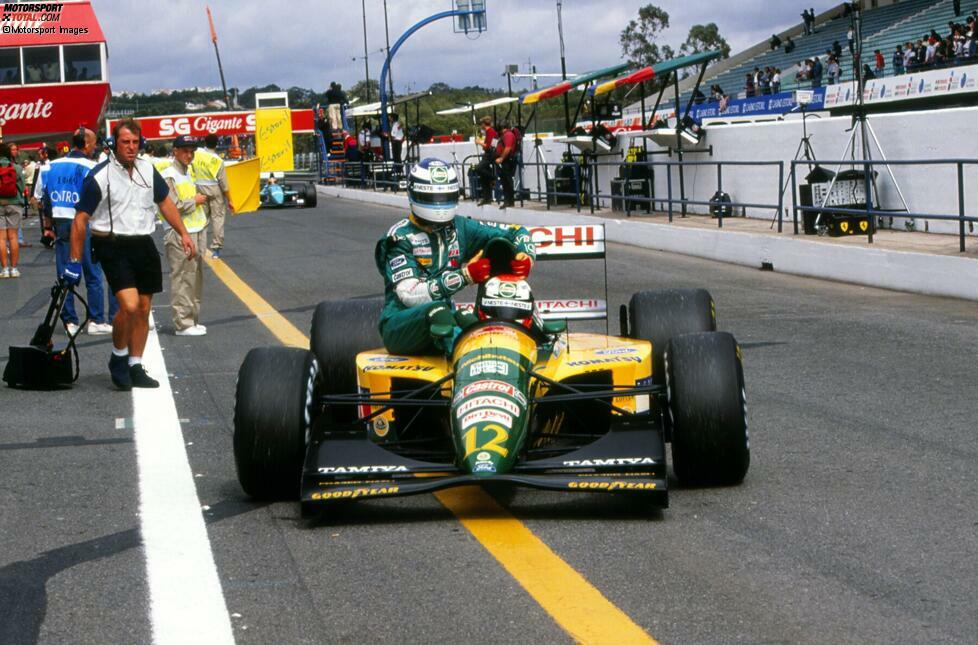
<point>361,470</point>
<point>614,461</point>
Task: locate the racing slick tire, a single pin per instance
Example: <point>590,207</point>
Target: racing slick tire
<point>658,315</point>
<point>707,403</point>
<point>310,195</point>
<point>273,416</point>
<point>341,329</point>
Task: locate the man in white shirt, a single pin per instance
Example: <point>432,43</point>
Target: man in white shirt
<point>119,199</point>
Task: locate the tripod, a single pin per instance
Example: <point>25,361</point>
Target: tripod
<point>803,151</point>
<point>864,129</point>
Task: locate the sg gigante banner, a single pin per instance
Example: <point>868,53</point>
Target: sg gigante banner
<point>223,124</point>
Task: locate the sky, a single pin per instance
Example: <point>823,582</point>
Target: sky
<point>308,43</point>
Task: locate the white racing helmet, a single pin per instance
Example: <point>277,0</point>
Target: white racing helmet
<point>433,191</point>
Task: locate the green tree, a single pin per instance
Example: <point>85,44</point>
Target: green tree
<point>639,40</point>
<point>360,91</point>
<point>703,38</point>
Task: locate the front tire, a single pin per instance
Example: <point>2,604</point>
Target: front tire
<point>273,415</point>
<point>707,403</point>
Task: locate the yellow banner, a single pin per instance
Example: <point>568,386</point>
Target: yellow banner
<point>244,185</point>
<point>273,139</point>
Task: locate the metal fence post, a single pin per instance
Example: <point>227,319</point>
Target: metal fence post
<point>719,190</point>
<point>868,186</point>
<point>780,196</point>
<point>961,203</point>
<point>669,187</point>
<point>592,182</point>
<point>794,194</point>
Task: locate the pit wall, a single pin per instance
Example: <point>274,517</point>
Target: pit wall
<point>931,134</point>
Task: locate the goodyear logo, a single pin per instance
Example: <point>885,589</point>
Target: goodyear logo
<point>613,485</point>
<point>354,493</point>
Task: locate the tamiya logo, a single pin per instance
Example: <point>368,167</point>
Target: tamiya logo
<point>361,470</point>
<point>613,461</point>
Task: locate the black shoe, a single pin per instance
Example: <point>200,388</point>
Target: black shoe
<point>140,378</point>
<point>119,370</point>
<point>484,202</point>
<point>509,204</point>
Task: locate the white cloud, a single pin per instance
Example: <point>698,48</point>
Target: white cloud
<point>308,43</point>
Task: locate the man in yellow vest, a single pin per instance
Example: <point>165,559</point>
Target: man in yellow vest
<point>186,273</point>
<point>212,181</point>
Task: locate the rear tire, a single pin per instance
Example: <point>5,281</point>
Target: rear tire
<point>707,403</point>
<point>341,329</point>
<point>273,414</point>
<point>658,315</point>
<point>311,196</point>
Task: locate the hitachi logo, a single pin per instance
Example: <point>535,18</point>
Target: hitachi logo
<point>366,470</point>
<point>615,461</point>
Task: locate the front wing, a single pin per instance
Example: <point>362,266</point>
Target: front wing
<point>629,459</point>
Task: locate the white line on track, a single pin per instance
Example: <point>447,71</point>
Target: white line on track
<point>185,596</point>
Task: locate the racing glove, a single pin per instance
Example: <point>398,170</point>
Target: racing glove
<point>520,266</point>
<point>72,273</point>
<point>477,270</point>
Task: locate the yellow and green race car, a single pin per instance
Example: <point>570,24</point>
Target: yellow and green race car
<point>519,401</point>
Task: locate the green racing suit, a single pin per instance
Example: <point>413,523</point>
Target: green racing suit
<point>422,270</point>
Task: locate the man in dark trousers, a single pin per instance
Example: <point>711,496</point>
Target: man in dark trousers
<point>485,170</point>
<point>506,161</point>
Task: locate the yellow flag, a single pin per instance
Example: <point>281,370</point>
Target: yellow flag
<point>243,185</point>
<point>273,139</point>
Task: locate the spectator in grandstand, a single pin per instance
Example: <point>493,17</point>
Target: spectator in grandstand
<point>805,21</point>
<point>880,64</point>
<point>832,70</point>
<point>764,81</point>
<point>909,57</point>
<point>789,45</point>
<point>776,81</point>
<point>851,39</point>
<point>803,72</point>
<point>898,61</point>
<point>836,49</point>
<point>816,73</point>
<point>868,73</point>
<point>957,7</point>
<point>335,99</point>
<point>775,42</point>
<point>749,86</point>
<point>11,211</point>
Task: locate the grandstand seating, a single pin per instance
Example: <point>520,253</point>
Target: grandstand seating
<point>883,28</point>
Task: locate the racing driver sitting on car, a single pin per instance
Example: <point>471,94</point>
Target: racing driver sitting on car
<point>430,256</point>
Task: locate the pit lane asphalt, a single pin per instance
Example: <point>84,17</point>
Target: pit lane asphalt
<point>856,522</point>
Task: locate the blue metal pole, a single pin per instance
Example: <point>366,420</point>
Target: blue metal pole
<point>384,121</point>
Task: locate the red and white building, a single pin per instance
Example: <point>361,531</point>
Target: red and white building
<point>53,70</point>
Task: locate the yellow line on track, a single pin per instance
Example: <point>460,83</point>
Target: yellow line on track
<point>579,608</point>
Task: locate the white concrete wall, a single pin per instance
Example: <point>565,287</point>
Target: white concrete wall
<point>946,133</point>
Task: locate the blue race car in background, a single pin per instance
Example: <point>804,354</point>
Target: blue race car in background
<point>282,191</point>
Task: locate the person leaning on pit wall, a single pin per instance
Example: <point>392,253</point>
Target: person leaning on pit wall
<point>186,273</point>
<point>119,199</point>
<point>11,211</point>
<point>212,183</point>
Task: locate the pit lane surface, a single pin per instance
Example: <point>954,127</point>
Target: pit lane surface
<point>856,523</point>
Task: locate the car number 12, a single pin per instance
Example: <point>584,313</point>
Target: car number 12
<point>500,436</point>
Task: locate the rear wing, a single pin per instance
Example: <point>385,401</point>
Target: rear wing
<point>578,309</point>
<point>584,242</point>
<point>569,242</point>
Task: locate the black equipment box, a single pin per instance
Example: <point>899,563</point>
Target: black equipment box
<point>630,188</point>
<point>567,187</point>
<point>849,191</point>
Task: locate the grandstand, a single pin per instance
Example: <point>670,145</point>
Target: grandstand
<point>883,28</point>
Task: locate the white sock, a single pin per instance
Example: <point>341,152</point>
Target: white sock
<point>135,360</point>
<point>120,352</point>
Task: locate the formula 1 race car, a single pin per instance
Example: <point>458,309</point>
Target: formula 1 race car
<point>284,191</point>
<point>519,401</point>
